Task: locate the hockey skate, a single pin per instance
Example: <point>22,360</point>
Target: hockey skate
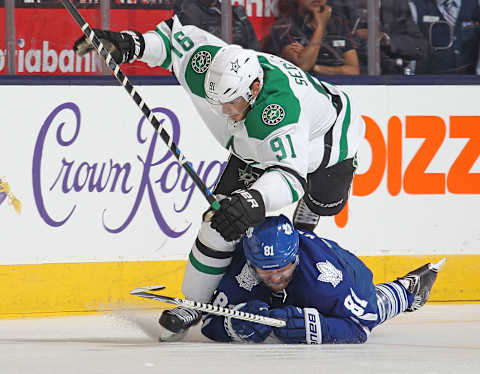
<point>420,282</point>
<point>304,218</point>
<point>176,322</point>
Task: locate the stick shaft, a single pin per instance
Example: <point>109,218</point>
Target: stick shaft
<point>125,82</point>
<point>213,309</point>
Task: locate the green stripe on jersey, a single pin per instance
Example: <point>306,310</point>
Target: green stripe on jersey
<point>205,268</point>
<point>231,143</point>
<point>168,49</point>
<point>346,120</point>
<point>197,67</point>
<point>317,86</point>
<point>345,125</point>
<point>276,105</point>
<point>292,190</point>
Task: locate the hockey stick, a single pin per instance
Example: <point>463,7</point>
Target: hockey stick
<point>209,308</point>
<point>124,81</point>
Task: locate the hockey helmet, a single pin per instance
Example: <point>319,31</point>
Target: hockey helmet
<point>271,245</point>
<point>231,73</point>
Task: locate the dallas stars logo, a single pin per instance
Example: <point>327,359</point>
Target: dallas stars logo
<point>273,114</point>
<point>201,61</point>
<point>329,273</point>
<point>235,66</point>
<point>248,176</point>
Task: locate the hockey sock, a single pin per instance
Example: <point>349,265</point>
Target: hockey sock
<point>392,299</point>
<point>207,263</point>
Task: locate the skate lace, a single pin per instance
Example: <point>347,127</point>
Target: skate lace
<point>303,214</point>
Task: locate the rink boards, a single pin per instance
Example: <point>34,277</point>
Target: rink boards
<point>105,208</point>
<point>79,288</point>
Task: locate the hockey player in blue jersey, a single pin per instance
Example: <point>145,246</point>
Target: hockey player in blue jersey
<point>323,292</point>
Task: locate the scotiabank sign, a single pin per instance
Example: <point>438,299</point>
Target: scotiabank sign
<point>45,37</point>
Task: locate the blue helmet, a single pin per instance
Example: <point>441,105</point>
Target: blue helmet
<point>271,245</point>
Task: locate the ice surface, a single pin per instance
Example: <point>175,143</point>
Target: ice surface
<point>435,339</point>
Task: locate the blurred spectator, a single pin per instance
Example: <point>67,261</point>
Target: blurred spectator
<point>313,40</point>
<point>452,31</point>
<point>348,11</point>
<point>207,15</point>
<point>401,40</point>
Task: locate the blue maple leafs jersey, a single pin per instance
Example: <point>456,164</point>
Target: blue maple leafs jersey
<point>327,277</point>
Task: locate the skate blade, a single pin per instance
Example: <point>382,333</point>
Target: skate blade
<point>436,267</point>
<point>146,288</point>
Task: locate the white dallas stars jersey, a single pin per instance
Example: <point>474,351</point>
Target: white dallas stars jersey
<point>296,125</point>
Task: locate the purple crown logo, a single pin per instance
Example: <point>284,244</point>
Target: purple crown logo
<point>5,192</point>
<point>3,195</point>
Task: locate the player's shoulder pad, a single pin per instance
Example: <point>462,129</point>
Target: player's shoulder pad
<point>310,240</point>
<point>276,105</point>
<point>197,67</point>
<point>308,235</point>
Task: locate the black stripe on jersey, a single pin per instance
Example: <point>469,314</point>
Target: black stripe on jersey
<point>209,252</point>
<point>327,147</point>
<point>302,181</point>
<point>328,138</point>
<point>169,23</point>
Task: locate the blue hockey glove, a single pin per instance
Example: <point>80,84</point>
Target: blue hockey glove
<point>303,325</point>
<point>246,331</point>
<point>238,212</point>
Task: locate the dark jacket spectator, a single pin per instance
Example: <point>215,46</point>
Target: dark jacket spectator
<point>349,11</point>
<point>315,40</point>
<point>207,15</point>
<point>453,40</point>
<point>401,40</point>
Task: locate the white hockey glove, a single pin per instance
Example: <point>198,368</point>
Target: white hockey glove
<point>125,46</point>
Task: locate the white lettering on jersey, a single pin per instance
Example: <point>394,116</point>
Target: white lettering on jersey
<point>313,328</point>
<point>249,198</point>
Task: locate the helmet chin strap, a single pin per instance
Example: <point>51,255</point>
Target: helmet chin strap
<point>250,98</point>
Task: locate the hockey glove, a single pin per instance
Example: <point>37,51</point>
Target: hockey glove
<point>303,325</point>
<point>125,46</point>
<point>238,212</point>
<point>246,331</point>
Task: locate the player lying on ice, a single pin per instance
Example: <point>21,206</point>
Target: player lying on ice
<point>293,139</point>
<point>323,292</point>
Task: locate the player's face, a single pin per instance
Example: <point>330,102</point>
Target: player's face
<point>277,279</point>
<point>236,109</point>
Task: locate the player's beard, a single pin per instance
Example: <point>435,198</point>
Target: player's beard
<point>280,284</point>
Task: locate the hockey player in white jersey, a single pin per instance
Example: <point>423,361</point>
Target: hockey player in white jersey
<point>292,138</point>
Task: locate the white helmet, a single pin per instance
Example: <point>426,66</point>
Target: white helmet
<point>231,73</point>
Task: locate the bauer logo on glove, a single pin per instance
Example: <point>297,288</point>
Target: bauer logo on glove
<point>238,212</point>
